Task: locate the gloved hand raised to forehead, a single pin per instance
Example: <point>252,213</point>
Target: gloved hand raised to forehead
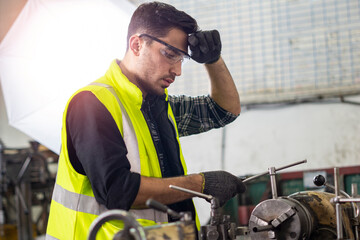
<point>222,185</point>
<point>205,46</point>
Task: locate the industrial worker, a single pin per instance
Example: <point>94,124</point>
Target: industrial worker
<point>120,135</point>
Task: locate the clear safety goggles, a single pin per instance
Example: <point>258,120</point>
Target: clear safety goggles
<point>172,54</point>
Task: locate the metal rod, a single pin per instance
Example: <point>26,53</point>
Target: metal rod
<point>276,169</point>
<point>333,187</point>
<point>23,169</point>
<point>339,229</point>
<point>263,228</point>
<point>223,146</point>
<point>291,165</point>
<point>354,194</point>
<point>354,191</point>
<point>273,182</point>
<point>339,222</point>
<point>208,197</point>
<point>21,199</point>
<point>345,200</point>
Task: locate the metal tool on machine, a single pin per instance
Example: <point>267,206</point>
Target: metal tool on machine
<point>338,199</point>
<point>132,228</point>
<point>220,226</point>
<point>303,215</point>
<point>183,229</point>
<point>279,218</point>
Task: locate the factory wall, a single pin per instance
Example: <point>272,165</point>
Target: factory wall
<point>326,133</point>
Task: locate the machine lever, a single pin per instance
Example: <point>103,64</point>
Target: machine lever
<point>275,169</point>
<point>319,181</point>
<point>201,195</point>
<point>151,203</point>
<point>263,228</point>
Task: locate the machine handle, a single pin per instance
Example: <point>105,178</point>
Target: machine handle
<point>151,203</point>
<point>276,169</point>
<point>201,195</point>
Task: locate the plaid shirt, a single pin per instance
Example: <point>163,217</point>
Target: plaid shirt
<point>195,115</point>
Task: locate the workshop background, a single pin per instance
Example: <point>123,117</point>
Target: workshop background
<point>296,65</point>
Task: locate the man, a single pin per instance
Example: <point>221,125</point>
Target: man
<point>120,136</point>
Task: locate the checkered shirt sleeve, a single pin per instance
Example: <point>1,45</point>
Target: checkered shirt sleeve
<point>199,114</point>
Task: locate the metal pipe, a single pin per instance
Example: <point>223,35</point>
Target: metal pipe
<point>263,228</point>
<point>273,182</point>
<point>354,191</point>
<point>354,194</point>
<point>223,146</point>
<point>23,169</point>
<point>205,196</point>
<point>345,200</point>
<point>339,229</point>
<point>276,169</point>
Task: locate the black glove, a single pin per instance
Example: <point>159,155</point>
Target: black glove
<point>222,185</point>
<point>205,46</point>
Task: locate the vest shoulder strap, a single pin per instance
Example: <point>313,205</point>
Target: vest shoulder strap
<point>129,134</point>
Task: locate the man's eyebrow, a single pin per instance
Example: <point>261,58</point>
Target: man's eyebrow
<point>174,50</point>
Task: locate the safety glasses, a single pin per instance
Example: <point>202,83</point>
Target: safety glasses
<point>171,53</point>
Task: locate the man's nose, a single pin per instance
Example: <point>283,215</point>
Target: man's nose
<point>176,68</point>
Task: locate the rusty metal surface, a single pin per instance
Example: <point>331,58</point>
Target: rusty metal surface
<point>324,213</point>
<point>319,202</point>
<point>172,231</point>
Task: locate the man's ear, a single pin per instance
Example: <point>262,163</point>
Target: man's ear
<point>135,44</point>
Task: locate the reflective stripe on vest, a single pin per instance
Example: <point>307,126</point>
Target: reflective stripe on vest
<point>77,202</point>
<point>49,237</point>
<point>87,204</point>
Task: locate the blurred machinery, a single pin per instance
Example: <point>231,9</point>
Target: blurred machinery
<point>25,190</point>
<point>302,215</point>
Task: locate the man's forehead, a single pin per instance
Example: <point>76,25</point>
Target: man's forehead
<point>177,38</point>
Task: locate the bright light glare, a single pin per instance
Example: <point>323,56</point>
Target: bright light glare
<point>54,48</point>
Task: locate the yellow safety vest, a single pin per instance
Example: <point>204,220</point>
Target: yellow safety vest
<point>73,206</point>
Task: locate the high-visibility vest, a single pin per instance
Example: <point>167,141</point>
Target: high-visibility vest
<point>73,206</point>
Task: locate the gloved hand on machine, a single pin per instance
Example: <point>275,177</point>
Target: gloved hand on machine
<point>222,185</point>
<point>205,46</point>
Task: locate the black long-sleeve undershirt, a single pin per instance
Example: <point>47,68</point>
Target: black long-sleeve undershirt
<point>97,150</point>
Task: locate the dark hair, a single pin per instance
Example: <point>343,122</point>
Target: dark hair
<point>157,19</point>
